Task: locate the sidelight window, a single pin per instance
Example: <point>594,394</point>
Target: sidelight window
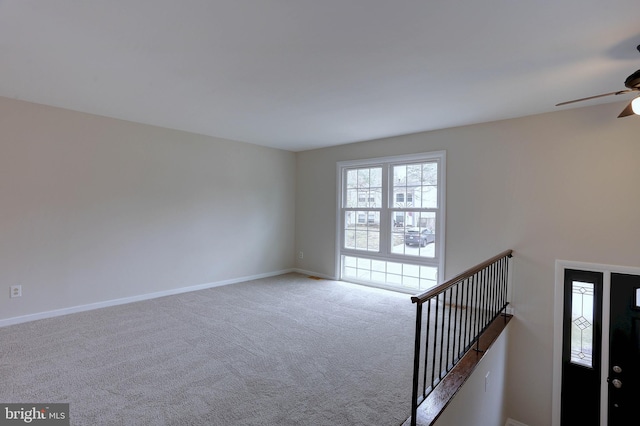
<point>582,302</point>
<point>581,348</point>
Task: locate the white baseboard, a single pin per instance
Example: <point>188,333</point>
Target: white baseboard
<point>511,422</point>
<point>314,274</point>
<point>131,299</point>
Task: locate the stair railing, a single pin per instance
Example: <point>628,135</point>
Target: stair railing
<point>457,313</point>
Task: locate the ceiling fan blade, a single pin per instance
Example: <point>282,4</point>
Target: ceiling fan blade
<point>620,92</point>
<point>627,111</point>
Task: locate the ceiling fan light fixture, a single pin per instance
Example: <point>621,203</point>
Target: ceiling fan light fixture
<point>635,105</point>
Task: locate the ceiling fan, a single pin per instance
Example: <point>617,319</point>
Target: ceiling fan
<point>632,84</point>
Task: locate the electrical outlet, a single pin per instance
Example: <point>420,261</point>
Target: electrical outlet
<point>16,291</point>
<point>486,381</point>
<point>300,255</point>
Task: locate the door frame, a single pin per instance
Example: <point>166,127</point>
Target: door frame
<point>558,315</point>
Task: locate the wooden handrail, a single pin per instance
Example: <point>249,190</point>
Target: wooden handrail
<point>423,297</point>
<point>481,292</point>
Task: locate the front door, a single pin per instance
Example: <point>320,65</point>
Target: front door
<point>624,351</point>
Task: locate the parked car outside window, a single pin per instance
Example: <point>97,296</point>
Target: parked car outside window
<point>417,237</point>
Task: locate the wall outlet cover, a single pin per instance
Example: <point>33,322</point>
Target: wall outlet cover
<point>16,291</point>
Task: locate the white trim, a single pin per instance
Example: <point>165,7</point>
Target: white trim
<point>606,271</point>
<point>314,274</point>
<point>131,299</point>
<point>338,229</point>
<point>558,307</point>
<point>442,204</point>
<point>392,159</point>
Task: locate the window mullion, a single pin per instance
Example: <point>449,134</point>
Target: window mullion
<point>385,220</point>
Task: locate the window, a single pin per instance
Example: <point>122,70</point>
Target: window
<point>400,197</point>
<point>365,198</point>
<point>582,320</point>
<point>582,365</point>
<point>391,221</point>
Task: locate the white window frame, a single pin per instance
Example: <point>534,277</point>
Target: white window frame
<point>385,218</point>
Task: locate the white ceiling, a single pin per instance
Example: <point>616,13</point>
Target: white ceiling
<point>303,74</point>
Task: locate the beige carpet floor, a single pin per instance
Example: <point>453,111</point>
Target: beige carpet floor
<point>286,350</point>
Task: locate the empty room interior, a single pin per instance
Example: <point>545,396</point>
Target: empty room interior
<point>175,201</point>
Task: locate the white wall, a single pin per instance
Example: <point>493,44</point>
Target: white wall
<point>94,209</point>
<point>561,185</point>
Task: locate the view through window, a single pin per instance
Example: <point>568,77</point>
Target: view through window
<point>391,221</point>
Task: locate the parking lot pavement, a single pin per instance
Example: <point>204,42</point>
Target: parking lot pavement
<point>428,251</point>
